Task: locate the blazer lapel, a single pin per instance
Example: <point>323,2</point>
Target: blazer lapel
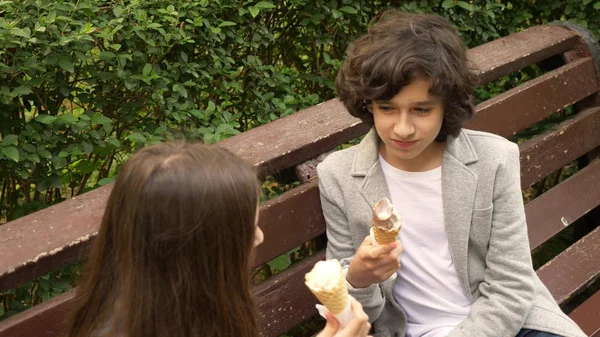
<point>459,184</point>
<point>366,163</point>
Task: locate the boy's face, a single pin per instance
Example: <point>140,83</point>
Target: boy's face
<point>408,125</point>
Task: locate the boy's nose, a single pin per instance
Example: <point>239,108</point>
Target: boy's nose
<point>404,128</point>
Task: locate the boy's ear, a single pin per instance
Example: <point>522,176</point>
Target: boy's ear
<point>368,105</point>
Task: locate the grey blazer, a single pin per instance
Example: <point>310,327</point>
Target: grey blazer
<point>485,224</point>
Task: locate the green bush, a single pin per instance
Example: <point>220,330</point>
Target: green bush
<point>84,83</point>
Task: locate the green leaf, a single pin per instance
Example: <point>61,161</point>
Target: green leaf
<point>227,24</point>
<point>336,14</point>
<point>597,5</point>
<point>87,147</point>
<point>24,174</point>
<point>29,148</point>
<point>105,181</point>
<point>59,162</point>
<point>117,11</point>
<point>137,138</point>
<point>84,166</point>
<point>32,157</point>
<point>100,119</point>
<point>9,140</point>
<point>448,4</point>
<point>264,5</point>
<point>44,153</point>
<point>465,5</point>
<point>25,32</point>
<point>65,63</point>
<point>67,118</point>
<point>114,142</point>
<point>349,10</point>
<point>45,119</point>
<point>21,91</point>
<point>147,70</point>
<point>11,152</point>
<point>280,263</point>
<point>253,11</point>
<point>107,56</point>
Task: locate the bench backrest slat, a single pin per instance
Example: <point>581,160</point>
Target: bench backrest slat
<point>573,269</point>
<point>550,151</point>
<point>508,54</point>
<point>40,242</point>
<point>48,319</point>
<point>289,221</point>
<point>284,300</point>
<point>586,315</point>
<point>551,212</point>
<point>535,100</point>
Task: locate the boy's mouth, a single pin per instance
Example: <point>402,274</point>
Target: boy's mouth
<point>404,144</point>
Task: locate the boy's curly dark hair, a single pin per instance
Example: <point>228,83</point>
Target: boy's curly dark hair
<point>397,49</point>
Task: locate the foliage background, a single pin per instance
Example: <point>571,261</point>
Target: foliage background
<point>84,83</point>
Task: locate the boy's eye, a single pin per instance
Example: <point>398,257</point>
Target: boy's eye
<point>422,110</point>
<point>385,108</point>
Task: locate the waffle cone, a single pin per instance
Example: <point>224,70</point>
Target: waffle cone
<point>384,235</point>
<point>334,300</point>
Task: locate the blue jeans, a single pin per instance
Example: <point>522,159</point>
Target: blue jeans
<point>535,333</point>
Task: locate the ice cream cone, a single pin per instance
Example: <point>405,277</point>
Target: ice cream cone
<point>326,281</point>
<point>384,235</point>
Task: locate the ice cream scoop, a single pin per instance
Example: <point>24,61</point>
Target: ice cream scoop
<point>327,282</point>
<point>385,215</point>
<point>386,222</point>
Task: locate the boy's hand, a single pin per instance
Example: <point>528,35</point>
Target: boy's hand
<point>373,264</point>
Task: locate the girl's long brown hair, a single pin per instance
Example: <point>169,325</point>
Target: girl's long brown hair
<point>173,254</point>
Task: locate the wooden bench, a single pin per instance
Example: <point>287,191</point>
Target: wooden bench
<point>36,244</point>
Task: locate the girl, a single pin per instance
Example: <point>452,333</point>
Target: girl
<point>174,251</point>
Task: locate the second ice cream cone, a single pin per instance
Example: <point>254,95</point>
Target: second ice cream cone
<point>334,300</point>
<point>327,282</point>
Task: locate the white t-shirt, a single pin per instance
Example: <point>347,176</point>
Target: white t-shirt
<point>427,286</point>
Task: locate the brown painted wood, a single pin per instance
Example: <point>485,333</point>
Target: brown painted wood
<point>559,207</point>
<point>281,144</point>
<point>549,152</point>
<point>508,54</point>
<point>290,220</point>
<point>47,319</point>
<point>308,170</point>
<point>573,269</point>
<point>284,301</point>
<point>587,315</point>
<point>291,140</point>
<point>529,103</point>
<point>37,243</point>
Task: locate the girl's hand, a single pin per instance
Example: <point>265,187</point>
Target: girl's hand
<point>358,327</point>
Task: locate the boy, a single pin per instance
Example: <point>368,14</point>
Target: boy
<point>462,260</point>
